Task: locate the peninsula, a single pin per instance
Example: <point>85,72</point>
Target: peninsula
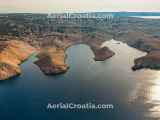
<point>12,54</point>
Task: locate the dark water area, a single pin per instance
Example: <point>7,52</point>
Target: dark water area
<point>135,95</point>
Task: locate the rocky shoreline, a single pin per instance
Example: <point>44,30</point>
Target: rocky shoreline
<point>146,43</point>
<point>52,61</point>
<point>151,60</point>
<point>52,58</point>
<point>20,34</point>
<point>12,54</point>
<point>51,55</point>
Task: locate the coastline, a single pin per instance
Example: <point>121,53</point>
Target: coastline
<point>14,53</point>
<point>52,58</point>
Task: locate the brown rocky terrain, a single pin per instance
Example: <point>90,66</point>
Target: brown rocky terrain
<point>151,60</point>
<point>102,54</point>
<point>52,58</point>
<point>12,54</point>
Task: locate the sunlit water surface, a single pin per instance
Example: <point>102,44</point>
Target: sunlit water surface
<point>148,17</point>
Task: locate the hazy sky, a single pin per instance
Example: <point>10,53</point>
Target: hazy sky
<point>78,5</point>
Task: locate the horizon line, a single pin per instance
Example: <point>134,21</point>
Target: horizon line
<point>81,12</point>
